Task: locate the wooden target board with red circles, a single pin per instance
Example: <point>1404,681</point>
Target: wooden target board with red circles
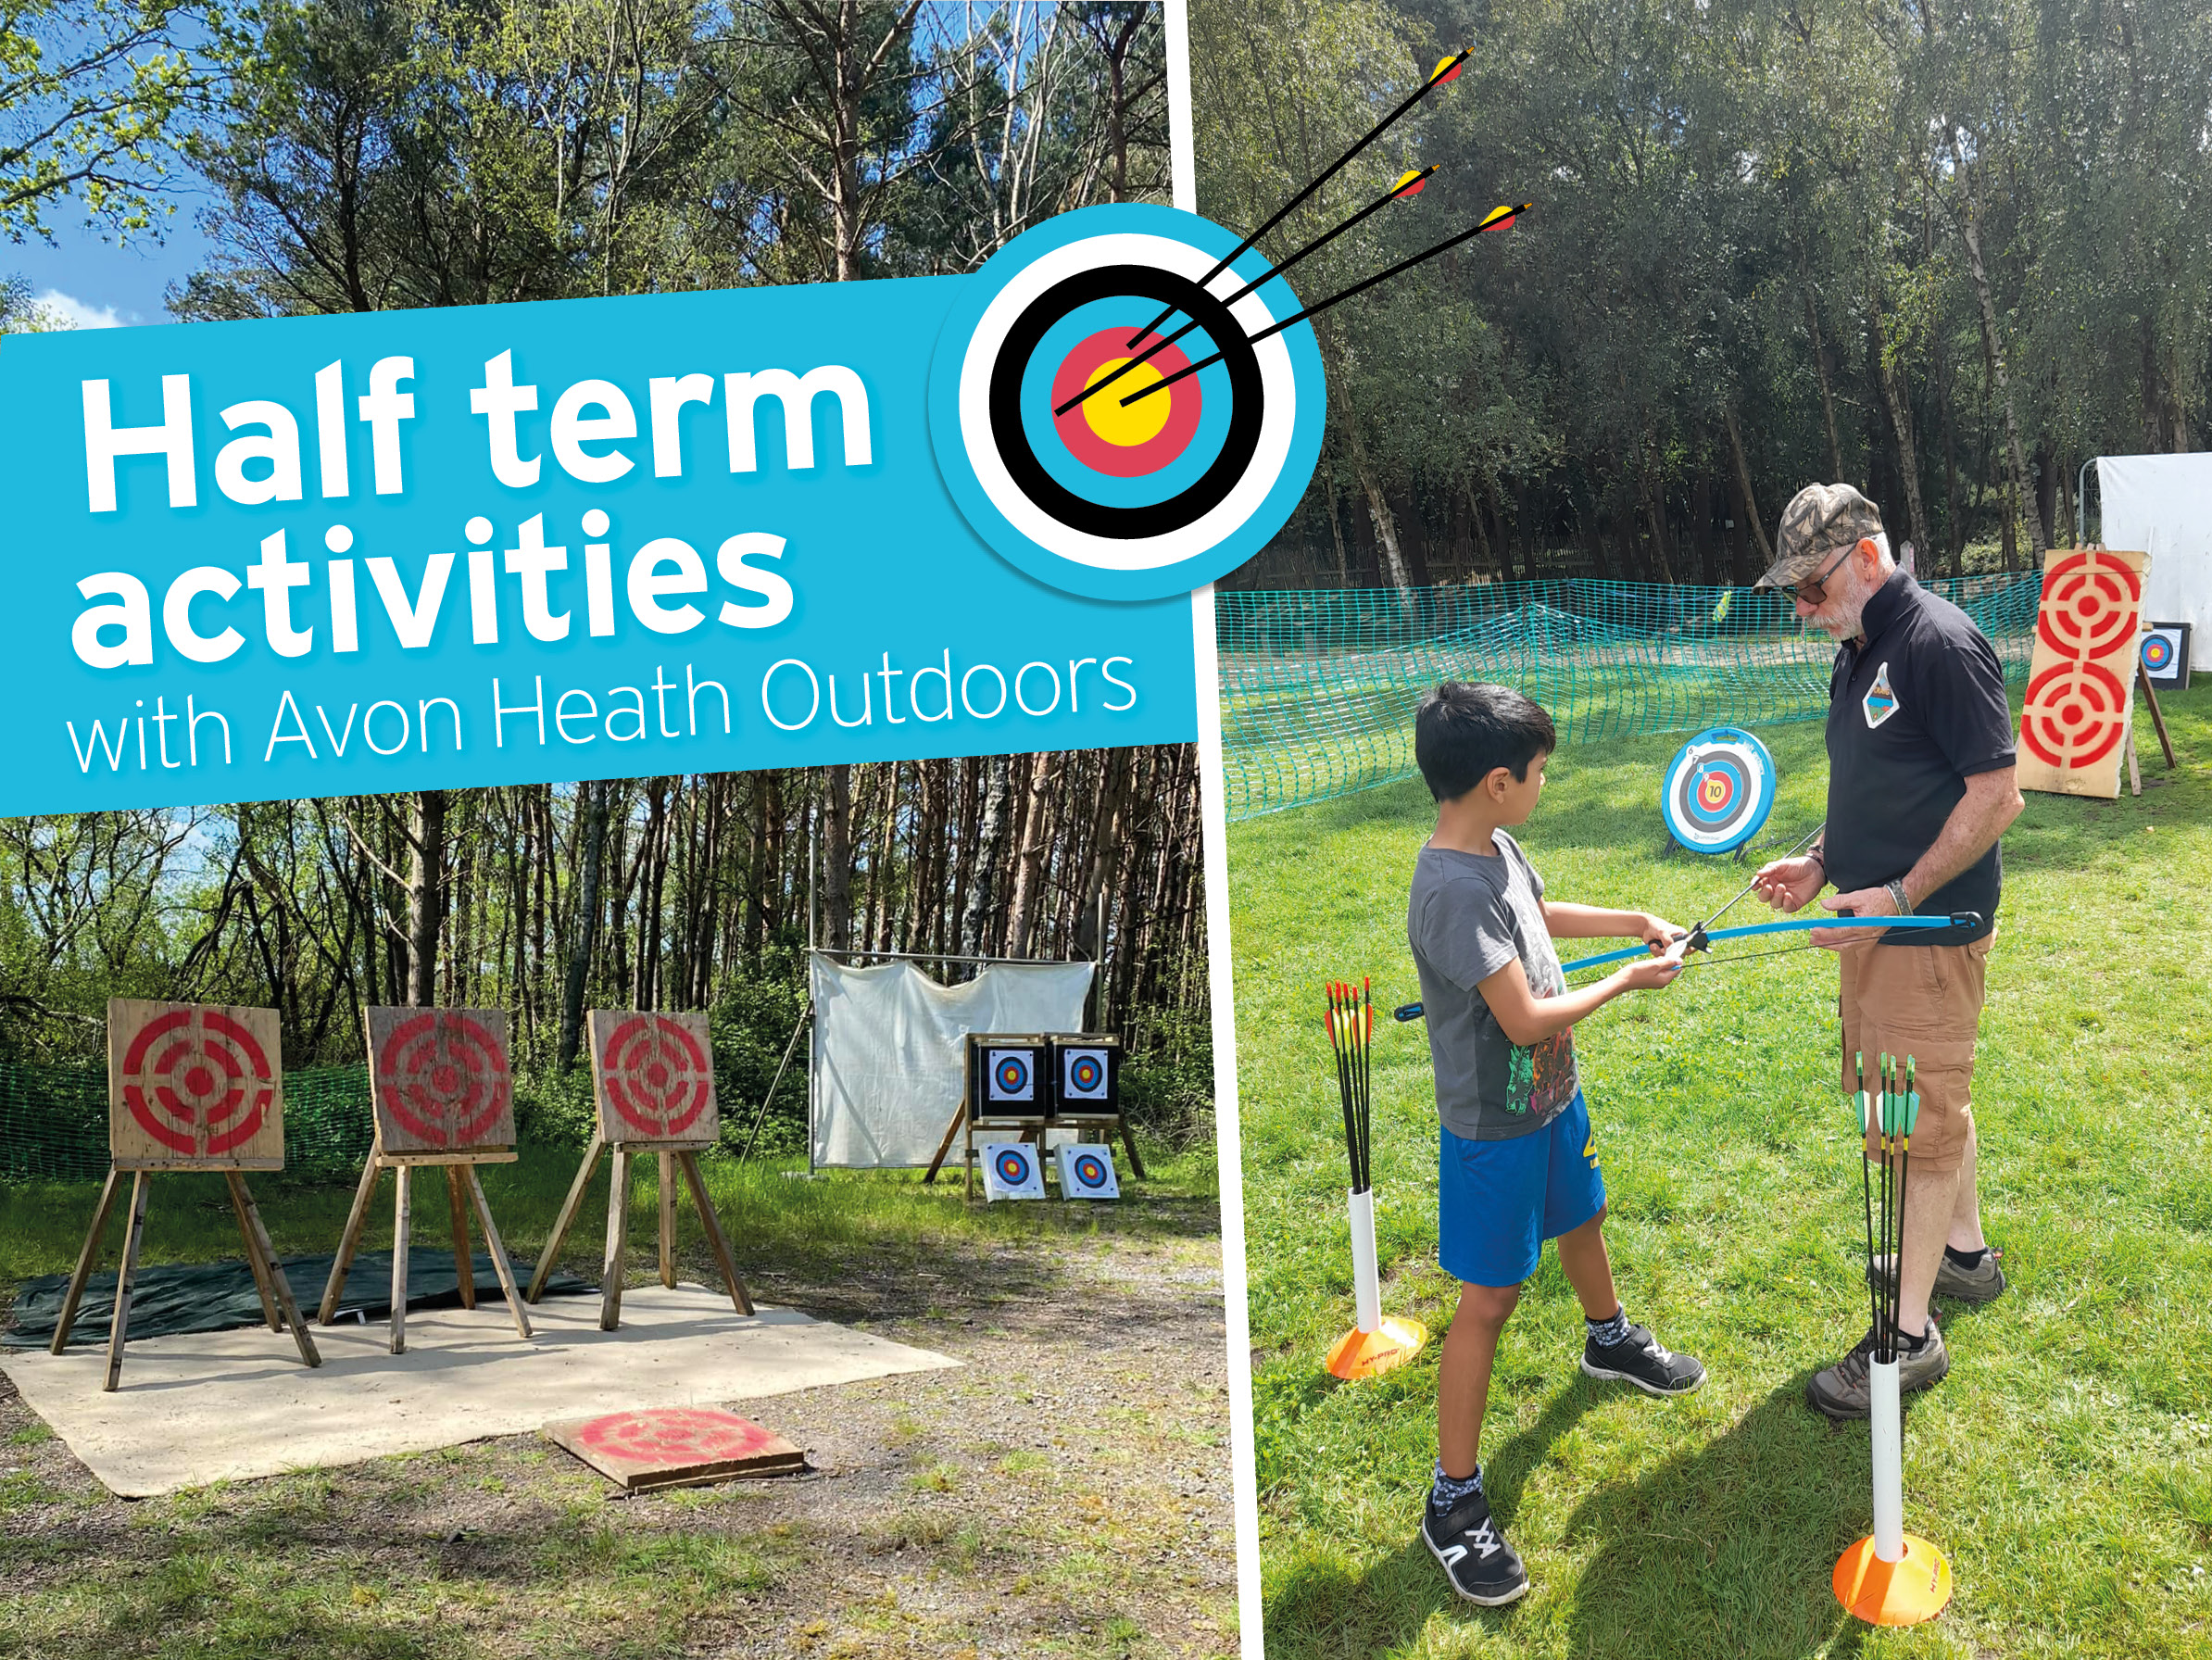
<point>676,1446</point>
<point>439,1079</point>
<point>2074,724</point>
<point>654,1078</point>
<point>194,1087</point>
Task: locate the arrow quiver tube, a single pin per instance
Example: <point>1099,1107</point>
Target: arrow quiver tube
<point>1376,1344</point>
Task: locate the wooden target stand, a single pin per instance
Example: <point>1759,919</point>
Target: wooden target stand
<point>442,1095</point>
<point>189,1086</point>
<point>653,1081</point>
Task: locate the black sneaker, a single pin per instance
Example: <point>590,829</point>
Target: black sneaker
<point>1640,1359</point>
<point>1481,1565</point>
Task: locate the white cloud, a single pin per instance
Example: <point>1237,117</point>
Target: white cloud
<point>79,315</point>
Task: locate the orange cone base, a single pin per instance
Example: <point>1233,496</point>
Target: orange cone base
<point>1893,1593</point>
<point>1370,1354</point>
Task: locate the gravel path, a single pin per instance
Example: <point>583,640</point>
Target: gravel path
<point>1064,1492</point>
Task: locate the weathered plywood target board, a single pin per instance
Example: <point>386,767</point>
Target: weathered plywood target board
<point>2074,724</point>
<point>194,1087</point>
<point>676,1446</point>
<point>439,1079</point>
<point>653,1076</point>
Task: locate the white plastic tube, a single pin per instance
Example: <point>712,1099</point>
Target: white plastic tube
<point>1367,1290</point>
<point>1889,1460</point>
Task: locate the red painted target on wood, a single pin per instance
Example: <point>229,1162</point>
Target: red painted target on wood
<point>2074,714</point>
<point>442,1079</point>
<point>198,1082</point>
<point>655,1076</point>
<point>2090,605</point>
<point>674,1435</point>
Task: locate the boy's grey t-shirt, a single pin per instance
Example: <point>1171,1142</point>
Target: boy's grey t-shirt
<point>1469,915</point>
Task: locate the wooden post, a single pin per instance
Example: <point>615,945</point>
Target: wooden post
<point>253,1259</point>
<point>716,1242</point>
<point>350,1241</point>
<point>668,1220</point>
<point>498,1249</point>
<point>399,1232</point>
<point>86,1258</point>
<point>618,1241</point>
<point>308,1354</point>
<point>2157,720</point>
<point>458,1203</point>
<point>133,1233</point>
<point>566,1219</point>
<point>1129,1142</point>
<point>960,1116</point>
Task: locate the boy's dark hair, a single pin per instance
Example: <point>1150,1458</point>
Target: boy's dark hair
<point>1462,732</point>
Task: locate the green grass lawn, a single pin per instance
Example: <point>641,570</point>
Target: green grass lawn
<point>2065,1466</point>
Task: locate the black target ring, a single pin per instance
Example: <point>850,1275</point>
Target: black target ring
<point>1246,397</point>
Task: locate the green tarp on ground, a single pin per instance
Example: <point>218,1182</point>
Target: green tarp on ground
<point>217,1296</point>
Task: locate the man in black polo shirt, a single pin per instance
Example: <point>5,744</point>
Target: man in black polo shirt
<point>1920,787</point>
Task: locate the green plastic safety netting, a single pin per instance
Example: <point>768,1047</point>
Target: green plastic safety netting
<point>1318,689</point>
<point>54,1122</point>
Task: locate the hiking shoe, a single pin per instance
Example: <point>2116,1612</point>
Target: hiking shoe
<point>1978,1283</point>
<point>1481,1565</point>
<point>1841,1391</point>
<point>1640,1359</point>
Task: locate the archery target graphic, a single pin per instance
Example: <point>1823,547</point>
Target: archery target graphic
<point>2165,655</point>
<point>1159,481</point>
<point>2158,648</point>
<point>1012,1075</point>
<point>2090,602</point>
<point>655,1075</point>
<point>2074,714</point>
<point>1718,790</point>
<point>1087,1171</point>
<point>1011,1171</point>
<point>190,1082</point>
<point>439,1078</point>
<point>1083,1074</point>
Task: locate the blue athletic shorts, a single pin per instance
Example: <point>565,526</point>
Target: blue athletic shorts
<point>1498,1201</point>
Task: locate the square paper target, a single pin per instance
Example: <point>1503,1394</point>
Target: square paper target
<point>1009,1076</point>
<point>1011,1171</point>
<point>439,1079</point>
<point>1087,1171</point>
<point>1086,1076</point>
<point>654,1078</point>
<point>2074,719</point>
<point>2165,656</point>
<point>194,1087</point>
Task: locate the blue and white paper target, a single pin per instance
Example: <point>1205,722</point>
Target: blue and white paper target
<point>1087,1171</point>
<point>1718,790</point>
<point>1086,1078</point>
<point>1012,1074</point>
<point>1011,1171</point>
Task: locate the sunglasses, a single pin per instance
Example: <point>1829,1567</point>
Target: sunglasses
<point>1814,589</point>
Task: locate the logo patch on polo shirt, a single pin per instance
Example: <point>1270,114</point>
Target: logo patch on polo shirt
<point>1880,702</point>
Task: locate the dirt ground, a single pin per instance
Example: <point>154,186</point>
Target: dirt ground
<point>1064,1492</point>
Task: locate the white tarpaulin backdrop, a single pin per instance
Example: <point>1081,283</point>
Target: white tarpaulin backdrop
<point>888,1048</point>
<point>2163,505</point>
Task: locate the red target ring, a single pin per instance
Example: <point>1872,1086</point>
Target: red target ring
<point>2090,605</point>
<point>1132,441</point>
<point>196,1081</point>
<point>1717,790</point>
<point>2074,714</point>
<point>445,1079</point>
<point>658,1078</point>
<point>674,1435</point>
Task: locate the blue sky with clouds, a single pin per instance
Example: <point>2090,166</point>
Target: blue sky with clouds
<point>100,283</point>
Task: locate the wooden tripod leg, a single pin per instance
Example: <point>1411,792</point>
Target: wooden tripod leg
<point>563,1222</point>
<point>254,1258</point>
<point>1129,1141</point>
<point>716,1242</point>
<point>133,1232</point>
<point>492,1244</point>
<point>618,1241</point>
<point>350,1241</point>
<point>399,1232</point>
<point>668,1220</point>
<point>456,1201</point>
<point>86,1258</point>
<point>2158,721</point>
<point>308,1354</point>
<point>960,1115</point>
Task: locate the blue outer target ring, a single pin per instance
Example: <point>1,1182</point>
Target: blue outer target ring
<point>1748,806</point>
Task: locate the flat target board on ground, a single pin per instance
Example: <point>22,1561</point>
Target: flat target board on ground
<point>439,1079</point>
<point>194,1086</point>
<point>1718,790</point>
<point>676,1446</point>
<point>654,1078</point>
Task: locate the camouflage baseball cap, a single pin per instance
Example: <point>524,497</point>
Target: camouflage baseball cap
<point>1821,522</point>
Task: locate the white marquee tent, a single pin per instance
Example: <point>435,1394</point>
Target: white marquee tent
<point>2162,505</point>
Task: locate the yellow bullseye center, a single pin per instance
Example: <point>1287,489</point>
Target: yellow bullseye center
<point>1127,425</point>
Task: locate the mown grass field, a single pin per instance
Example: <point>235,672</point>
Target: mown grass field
<point>2065,1466</point>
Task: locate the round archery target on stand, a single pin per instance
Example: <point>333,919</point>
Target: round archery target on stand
<point>1087,1171</point>
<point>1101,474</point>
<point>1717,791</point>
<point>654,1074</point>
<point>439,1079</point>
<point>1011,1171</point>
